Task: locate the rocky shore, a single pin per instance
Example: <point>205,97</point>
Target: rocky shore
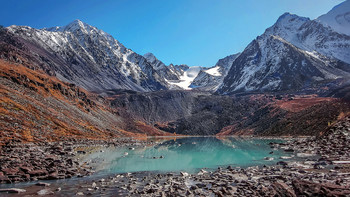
<point>48,161</point>
<point>320,167</point>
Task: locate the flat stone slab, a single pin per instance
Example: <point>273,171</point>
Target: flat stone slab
<point>341,162</point>
<point>13,190</point>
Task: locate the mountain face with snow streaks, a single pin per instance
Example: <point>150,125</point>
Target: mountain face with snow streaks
<point>81,54</point>
<point>338,18</point>
<point>294,53</point>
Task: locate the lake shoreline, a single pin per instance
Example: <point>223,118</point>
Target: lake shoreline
<point>49,158</point>
<point>329,173</point>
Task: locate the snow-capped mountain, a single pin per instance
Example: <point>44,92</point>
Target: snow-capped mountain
<point>82,54</point>
<point>338,18</point>
<point>270,63</point>
<point>295,52</point>
<point>209,79</point>
<point>312,36</point>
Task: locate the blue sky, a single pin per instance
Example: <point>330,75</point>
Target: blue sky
<point>193,32</point>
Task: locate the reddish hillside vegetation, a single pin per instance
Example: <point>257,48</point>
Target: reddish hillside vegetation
<point>37,107</point>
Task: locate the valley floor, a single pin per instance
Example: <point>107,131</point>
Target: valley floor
<point>324,170</point>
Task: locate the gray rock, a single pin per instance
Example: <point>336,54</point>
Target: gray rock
<point>45,192</point>
<point>13,190</point>
<point>42,184</point>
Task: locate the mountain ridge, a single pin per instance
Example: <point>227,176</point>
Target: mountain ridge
<point>93,60</point>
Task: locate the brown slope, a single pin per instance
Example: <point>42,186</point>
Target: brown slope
<point>38,107</point>
<point>300,116</point>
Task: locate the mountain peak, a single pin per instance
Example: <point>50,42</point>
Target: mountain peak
<point>288,17</point>
<point>77,22</point>
<point>286,26</point>
<point>73,27</point>
<point>286,14</point>
<point>150,57</point>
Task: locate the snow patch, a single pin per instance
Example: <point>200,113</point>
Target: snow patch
<point>214,71</point>
<point>187,78</point>
<point>313,54</point>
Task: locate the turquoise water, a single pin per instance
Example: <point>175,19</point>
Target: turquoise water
<point>187,154</point>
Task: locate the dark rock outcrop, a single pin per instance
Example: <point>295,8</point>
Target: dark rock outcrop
<point>200,113</point>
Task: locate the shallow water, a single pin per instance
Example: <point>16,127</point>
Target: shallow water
<point>188,154</point>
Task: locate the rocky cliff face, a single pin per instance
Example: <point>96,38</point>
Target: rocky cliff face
<point>171,74</point>
<point>202,113</point>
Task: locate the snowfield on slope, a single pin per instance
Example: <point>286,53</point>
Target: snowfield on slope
<point>214,71</point>
<point>187,78</point>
